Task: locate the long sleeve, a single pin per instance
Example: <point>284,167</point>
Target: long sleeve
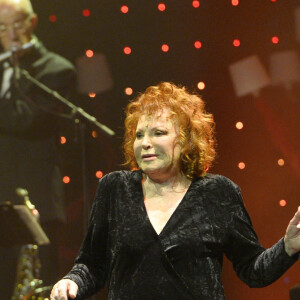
<point>255,265</point>
<point>89,271</point>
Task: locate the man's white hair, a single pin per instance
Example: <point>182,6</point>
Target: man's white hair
<point>20,5</point>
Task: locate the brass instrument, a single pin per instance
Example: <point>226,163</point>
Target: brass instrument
<point>27,272</point>
<point>28,286</point>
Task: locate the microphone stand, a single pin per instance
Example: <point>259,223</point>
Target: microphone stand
<point>76,111</point>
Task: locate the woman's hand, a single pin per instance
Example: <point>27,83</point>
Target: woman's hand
<point>63,289</point>
<point>292,236</point>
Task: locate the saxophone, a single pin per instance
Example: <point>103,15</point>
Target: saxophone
<point>28,286</point>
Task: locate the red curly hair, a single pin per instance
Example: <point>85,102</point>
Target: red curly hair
<point>196,126</point>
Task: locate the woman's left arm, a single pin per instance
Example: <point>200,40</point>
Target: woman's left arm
<point>255,265</point>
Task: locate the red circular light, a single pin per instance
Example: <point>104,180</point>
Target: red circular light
<point>124,9</point>
<point>201,85</point>
<point>128,91</point>
<point>35,212</point>
<point>242,165</point>
<point>235,2</point>
<point>86,12</point>
<point>165,48</point>
<point>94,134</point>
<point>275,39</point>
<point>63,140</point>
<point>236,43</point>
<point>127,50</point>
<point>52,18</point>
<point>198,44</point>
<point>282,202</point>
<point>161,7</point>
<point>66,179</point>
<point>89,53</point>
<point>239,125</point>
<point>99,174</point>
<point>196,3</point>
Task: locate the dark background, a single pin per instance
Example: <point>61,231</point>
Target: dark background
<point>216,24</point>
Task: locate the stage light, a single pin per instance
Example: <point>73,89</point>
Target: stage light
<point>197,44</point>
<point>86,12</point>
<point>92,95</point>
<point>89,53</point>
<point>99,174</point>
<point>127,50</point>
<point>66,179</point>
<point>248,76</point>
<point>52,18</point>
<point>201,85</point>
<point>284,68</point>
<point>273,0</point>
<point>280,162</point>
<point>128,91</point>
<point>235,2</point>
<point>196,3</point>
<point>94,134</point>
<point>93,74</point>
<point>165,48</point>
<point>242,165</point>
<point>161,7</point>
<point>63,140</point>
<point>275,39</point>
<point>282,202</point>
<point>124,9</point>
<point>236,43</point>
<point>239,125</point>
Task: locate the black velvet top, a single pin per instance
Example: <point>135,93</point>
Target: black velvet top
<point>185,260</point>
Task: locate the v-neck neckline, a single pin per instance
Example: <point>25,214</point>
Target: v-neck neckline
<point>175,212</point>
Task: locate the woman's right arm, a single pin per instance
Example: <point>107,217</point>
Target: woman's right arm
<point>89,273</point>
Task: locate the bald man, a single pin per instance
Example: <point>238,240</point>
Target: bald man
<point>28,133</point>
<point>18,22</point>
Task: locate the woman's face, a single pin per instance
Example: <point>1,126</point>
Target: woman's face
<point>155,147</point>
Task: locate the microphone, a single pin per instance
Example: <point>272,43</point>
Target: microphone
<point>15,50</point>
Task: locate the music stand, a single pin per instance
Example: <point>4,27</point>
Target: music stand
<point>19,227</point>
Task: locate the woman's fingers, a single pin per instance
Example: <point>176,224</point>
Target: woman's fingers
<point>63,289</point>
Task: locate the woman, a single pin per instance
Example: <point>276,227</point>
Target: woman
<point>160,232</point>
